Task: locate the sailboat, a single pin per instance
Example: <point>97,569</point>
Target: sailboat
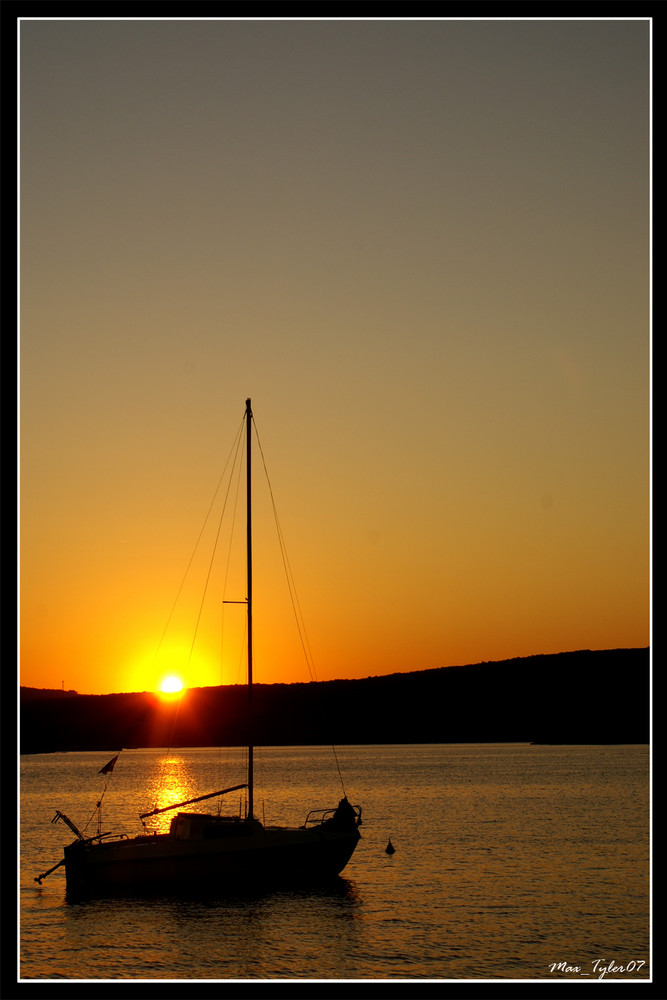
<point>211,850</point>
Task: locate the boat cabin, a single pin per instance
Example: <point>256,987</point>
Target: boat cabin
<point>199,826</point>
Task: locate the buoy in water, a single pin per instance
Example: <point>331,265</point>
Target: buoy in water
<point>390,849</point>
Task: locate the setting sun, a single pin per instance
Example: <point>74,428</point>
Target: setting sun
<point>171,685</point>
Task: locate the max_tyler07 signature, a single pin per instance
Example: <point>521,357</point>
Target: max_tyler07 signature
<point>599,968</point>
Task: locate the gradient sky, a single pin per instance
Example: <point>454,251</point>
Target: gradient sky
<point>422,248</point>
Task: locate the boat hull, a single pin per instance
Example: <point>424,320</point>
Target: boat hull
<point>259,858</point>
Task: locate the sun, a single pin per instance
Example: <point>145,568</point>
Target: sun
<point>171,685</point>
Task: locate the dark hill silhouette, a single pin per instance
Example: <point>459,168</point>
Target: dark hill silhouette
<point>37,694</point>
<point>578,697</point>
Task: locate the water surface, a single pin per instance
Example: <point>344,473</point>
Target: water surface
<point>512,862</point>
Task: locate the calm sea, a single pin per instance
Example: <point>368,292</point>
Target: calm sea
<point>511,862</point>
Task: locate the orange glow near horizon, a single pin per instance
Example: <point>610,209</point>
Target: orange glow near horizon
<point>443,322</point>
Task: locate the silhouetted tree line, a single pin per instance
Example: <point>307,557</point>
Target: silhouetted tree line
<point>579,697</point>
<point>35,694</point>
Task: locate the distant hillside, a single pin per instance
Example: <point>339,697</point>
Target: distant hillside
<point>38,694</point>
<point>579,697</point>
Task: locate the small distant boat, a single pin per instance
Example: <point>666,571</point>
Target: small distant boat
<point>210,850</point>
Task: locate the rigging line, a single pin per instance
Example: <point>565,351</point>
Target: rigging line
<point>243,651</point>
<point>296,607</point>
<point>99,803</point>
<point>300,621</point>
<point>340,773</point>
<point>233,450</point>
<point>210,565</point>
<point>298,613</point>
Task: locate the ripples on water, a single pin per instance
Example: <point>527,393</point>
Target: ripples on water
<point>509,860</point>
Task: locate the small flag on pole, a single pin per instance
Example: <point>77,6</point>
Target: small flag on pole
<point>108,768</point>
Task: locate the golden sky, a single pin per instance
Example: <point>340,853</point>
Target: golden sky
<point>422,248</point>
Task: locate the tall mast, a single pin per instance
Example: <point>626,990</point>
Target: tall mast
<point>248,417</point>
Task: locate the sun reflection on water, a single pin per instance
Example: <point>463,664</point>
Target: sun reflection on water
<point>169,783</point>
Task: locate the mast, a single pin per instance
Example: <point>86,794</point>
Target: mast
<point>248,417</point>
